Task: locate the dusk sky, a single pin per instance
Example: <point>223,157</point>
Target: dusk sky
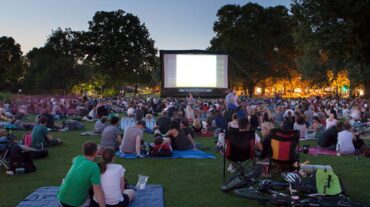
<point>173,24</point>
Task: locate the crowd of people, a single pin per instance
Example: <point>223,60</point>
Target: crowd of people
<point>335,123</point>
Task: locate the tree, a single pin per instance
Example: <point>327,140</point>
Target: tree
<point>11,67</point>
<point>258,41</point>
<point>121,47</point>
<point>55,66</point>
<point>333,36</point>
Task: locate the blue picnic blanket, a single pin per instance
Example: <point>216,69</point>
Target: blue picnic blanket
<point>152,196</point>
<point>187,154</point>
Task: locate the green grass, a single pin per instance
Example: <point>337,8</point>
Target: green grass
<point>187,182</point>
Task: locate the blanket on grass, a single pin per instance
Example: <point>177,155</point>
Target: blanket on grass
<point>187,154</point>
<point>152,195</point>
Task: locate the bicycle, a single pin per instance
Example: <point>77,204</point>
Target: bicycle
<point>266,192</point>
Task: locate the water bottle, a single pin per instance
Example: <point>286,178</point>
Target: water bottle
<point>309,169</point>
<point>19,170</point>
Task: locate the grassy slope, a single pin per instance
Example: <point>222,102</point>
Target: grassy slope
<point>187,182</point>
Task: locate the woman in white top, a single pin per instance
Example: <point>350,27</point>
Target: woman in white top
<point>345,137</point>
<point>234,123</point>
<point>300,125</point>
<point>113,183</point>
<point>330,122</point>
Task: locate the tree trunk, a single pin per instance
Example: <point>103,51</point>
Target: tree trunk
<point>367,89</point>
<point>251,90</point>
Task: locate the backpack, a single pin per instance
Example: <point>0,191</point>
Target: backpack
<point>27,139</point>
<point>41,153</point>
<point>19,159</point>
<point>327,182</point>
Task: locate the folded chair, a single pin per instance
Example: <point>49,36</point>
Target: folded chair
<point>284,153</point>
<point>239,151</point>
<point>4,152</point>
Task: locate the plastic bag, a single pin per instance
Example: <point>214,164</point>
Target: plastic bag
<point>141,183</point>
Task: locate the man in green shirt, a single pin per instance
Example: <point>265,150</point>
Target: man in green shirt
<point>83,174</point>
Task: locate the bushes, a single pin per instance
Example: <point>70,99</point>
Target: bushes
<point>4,96</point>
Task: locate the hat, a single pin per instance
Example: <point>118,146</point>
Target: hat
<point>130,112</point>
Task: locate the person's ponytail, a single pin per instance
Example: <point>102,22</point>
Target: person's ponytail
<point>107,156</point>
<point>103,167</point>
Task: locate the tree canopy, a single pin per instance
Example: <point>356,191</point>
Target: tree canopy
<point>335,36</point>
<point>11,69</point>
<point>116,50</point>
<point>258,41</point>
<point>121,47</point>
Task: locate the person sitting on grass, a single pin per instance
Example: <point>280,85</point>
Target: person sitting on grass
<point>300,125</point>
<point>128,121</point>
<point>132,139</point>
<point>234,123</point>
<point>83,174</point>
<point>111,135</point>
<point>329,138</point>
<point>150,123</point>
<point>331,121</point>
<point>316,129</point>
<point>178,139</point>
<point>41,137</point>
<point>112,180</point>
<point>345,140</point>
<point>100,124</point>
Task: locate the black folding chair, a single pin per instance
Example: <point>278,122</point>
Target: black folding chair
<point>284,153</point>
<point>239,151</point>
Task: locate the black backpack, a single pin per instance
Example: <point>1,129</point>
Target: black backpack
<point>20,159</point>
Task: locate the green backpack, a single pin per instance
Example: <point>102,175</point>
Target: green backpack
<point>327,182</point>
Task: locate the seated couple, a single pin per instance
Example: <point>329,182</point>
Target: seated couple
<point>342,139</point>
<point>106,181</point>
<point>132,138</point>
<point>180,136</point>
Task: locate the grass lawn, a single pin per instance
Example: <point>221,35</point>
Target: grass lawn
<point>187,182</point>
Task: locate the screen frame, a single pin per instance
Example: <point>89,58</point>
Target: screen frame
<point>184,91</point>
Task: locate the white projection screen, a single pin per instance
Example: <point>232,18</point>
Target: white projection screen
<point>190,71</point>
<point>195,71</point>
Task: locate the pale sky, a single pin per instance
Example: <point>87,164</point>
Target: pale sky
<point>172,24</point>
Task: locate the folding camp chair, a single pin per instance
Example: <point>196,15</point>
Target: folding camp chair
<point>4,152</point>
<point>284,150</point>
<point>240,153</point>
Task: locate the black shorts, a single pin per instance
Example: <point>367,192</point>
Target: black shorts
<point>124,203</point>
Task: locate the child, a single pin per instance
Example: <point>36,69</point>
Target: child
<point>160,149</point>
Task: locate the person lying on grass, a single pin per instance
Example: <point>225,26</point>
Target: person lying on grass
<point>113,182</point>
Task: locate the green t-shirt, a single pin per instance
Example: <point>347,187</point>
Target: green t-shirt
<point>81,176</point>
<point>39,134</point>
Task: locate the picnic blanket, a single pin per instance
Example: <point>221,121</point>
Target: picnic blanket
<point>89,133</point>
<point>187,154</point>
<point>319,151</point>
<point>152,195</point>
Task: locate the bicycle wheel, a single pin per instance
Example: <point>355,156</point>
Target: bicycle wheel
<point>234,182</point>
<point>255,172</point>
<point>339,202</point>
<point>254,194</point>
<point>349,203</point>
